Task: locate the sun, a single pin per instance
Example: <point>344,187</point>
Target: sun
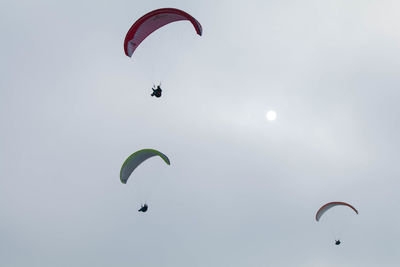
<point>271,115</point>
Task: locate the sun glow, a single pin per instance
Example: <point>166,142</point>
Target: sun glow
<point>271,115</point>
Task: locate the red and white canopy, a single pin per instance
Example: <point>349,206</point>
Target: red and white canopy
<point>330,205</point>
<point>152,21</point>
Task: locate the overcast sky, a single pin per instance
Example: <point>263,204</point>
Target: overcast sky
<point>241,190</point>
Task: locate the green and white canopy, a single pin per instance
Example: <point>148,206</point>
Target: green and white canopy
<point>134,160</point>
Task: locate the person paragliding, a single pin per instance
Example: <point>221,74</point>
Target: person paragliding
<point>136,159</point>
<point>151,22</point>
<point>327,207</point>
<point>156,91</point>
<point>143,208</point>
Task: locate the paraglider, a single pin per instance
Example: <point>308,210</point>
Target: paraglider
<point>156,91</point>
<point>151,22</point>
<point>327,207</point>
<point>143,208</point>
<point>133,161</point>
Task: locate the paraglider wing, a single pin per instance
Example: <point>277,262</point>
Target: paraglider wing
<point>330,205</point>
<point>136,159</point>
<point>152,21</point>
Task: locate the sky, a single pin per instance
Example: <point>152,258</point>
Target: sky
<point>241,190</point>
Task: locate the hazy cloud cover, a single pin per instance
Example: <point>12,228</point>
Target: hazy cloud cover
<point>240,191</point>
